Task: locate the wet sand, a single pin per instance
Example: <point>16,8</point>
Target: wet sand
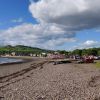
<point>10,68</point>
<point>41,80</point>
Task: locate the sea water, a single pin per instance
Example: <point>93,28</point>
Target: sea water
<point>9,60</point>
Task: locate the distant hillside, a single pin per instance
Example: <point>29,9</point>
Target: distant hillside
<point>22,49</point>
<point>26,50</point>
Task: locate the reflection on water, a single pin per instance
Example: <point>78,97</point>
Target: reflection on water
<point>9,60</point>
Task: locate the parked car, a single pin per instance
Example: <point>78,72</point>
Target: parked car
<point>96,57</point>
<point>88,59</point>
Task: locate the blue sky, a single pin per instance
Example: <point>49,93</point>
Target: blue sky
<point>14,9</point>
<point>41,24</point>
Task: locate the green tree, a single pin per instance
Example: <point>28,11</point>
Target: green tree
<point>99,53</point>
<point>63,52</point>
<point>77,52</point>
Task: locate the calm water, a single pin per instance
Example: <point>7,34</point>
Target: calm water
<point>9,60</point>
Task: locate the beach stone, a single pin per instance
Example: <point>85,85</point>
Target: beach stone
<point>60,82</point>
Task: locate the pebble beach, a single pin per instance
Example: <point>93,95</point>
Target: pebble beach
<point>41,80</point>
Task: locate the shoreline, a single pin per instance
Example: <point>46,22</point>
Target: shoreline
<point>23,59</point>
<point>10,68</point>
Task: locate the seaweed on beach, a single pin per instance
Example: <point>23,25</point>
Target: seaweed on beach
<point>7,78</point>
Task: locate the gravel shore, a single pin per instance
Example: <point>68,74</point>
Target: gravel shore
<point>44,81</point>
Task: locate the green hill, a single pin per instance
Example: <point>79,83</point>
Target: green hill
<point>22,50</point>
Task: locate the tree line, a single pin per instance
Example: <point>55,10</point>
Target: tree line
<point>81,52</point>
<point>26,50</point>
<point>21,50</point>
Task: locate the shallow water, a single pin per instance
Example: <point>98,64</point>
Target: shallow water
<point>9,60</point>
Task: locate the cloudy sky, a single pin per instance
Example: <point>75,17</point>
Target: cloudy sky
<point>50,24</point>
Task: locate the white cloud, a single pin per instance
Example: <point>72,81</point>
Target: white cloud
<point>90,43</point>
<point>70,15</point>
<point>73,15</point>
<point>59,20</point>
<point>87,44</point>
<point>98,30</point>
<point>36,35</point>
<point>31,1</point>
<point>19,20</point>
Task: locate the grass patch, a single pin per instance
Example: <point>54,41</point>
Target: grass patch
<point>98,64</point>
